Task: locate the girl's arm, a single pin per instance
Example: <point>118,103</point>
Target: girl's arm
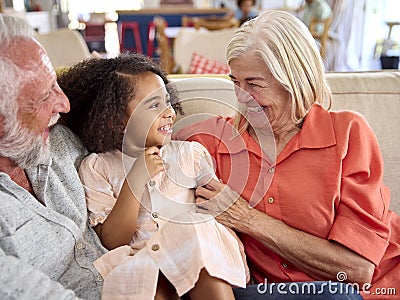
<point>120,225</point>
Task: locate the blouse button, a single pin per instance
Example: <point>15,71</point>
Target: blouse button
<point>99,278</point>
<point>79,246</point>
<point>152,183</point>
<point>155,247</point>
<point>270,200</point>
<point>271,170</point>
<point>284,265</point>
<point>155,214</point>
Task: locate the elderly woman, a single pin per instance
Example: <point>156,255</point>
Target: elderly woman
<point>314,208</point>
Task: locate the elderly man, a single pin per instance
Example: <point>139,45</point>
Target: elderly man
<point>46,246</point>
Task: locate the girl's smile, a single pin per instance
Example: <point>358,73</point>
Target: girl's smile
<point>151,115</point>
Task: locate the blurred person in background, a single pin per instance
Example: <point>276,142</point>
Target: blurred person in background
<point>314,9</point>
<point>245,10</point>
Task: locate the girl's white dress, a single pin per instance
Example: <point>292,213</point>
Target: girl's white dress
<point>170,236</point>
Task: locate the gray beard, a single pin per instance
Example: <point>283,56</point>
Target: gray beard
<point>24,148</point>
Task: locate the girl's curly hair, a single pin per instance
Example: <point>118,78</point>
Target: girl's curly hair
<point>99,92</point>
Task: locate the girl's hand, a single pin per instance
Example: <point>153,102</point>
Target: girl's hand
<point>153,161</point>
<point>147,165</point>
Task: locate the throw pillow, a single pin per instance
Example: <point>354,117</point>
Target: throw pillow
<point>203,65</point>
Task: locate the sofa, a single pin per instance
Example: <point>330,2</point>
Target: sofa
<point>376,95</point>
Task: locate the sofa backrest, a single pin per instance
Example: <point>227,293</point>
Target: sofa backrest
<point>376,95</point>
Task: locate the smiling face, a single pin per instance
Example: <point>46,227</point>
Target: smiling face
<point>40,98</point>
<point>264,97</point>
<point>151,115</point>
<point>39,101</point>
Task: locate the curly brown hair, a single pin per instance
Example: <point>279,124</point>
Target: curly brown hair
<point>99,92</point>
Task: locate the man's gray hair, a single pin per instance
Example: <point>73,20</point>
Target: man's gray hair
<point>11,27</point>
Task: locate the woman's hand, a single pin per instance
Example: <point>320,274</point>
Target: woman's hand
<point>226,205</point>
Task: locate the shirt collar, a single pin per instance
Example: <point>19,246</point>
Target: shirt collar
<point>317,130</point>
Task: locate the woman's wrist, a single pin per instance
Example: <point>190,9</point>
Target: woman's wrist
<point>246,223</point>
<point>255,222</point>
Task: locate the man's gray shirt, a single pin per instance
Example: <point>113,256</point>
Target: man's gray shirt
<point>47,252</point>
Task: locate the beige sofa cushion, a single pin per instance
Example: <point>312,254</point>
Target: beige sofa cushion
<point>376,95</point>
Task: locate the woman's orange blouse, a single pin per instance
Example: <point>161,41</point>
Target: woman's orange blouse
<point>327,181</point>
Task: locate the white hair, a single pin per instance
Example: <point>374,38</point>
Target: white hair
<point>290,53</point>
<point>11,27</point>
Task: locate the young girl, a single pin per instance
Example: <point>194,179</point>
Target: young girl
<point>144,195</point>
